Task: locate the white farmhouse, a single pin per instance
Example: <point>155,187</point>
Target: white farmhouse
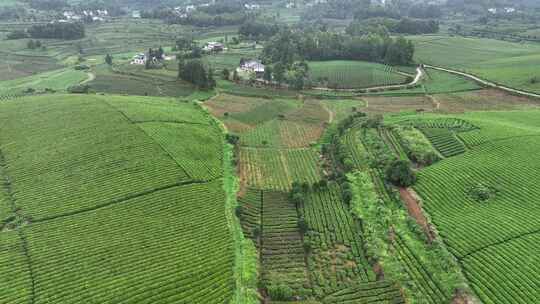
<point>252,66</point>
<point>139,59</point>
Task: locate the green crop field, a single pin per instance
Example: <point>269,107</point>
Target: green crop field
<point>93,185</point>
<point>273,169</point>
<point>482,230</point>
<point>353,74</point>
<point>123,183</point>
<point>508,63</point>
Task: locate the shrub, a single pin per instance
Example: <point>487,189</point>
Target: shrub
<point>78,89</point>
<point>280,292</point>
<point>238,211</point>
<point>481,192</point>
<point>399,173</point>
<point>302,225</point>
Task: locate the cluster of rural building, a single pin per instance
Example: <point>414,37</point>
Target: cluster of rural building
<point>95,16</point>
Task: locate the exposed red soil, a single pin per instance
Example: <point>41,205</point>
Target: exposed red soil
<point>415,210</point>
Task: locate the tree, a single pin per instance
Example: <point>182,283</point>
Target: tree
<point>400,174</point>
<point>109,59</point>
<point>268,74</point>
<point>181,65</point>
<point>279,72</point>
<point>211,80</point>
<point>194,71</point>
<point>226,74</point>
<point>236,78</point>
<point>160,53</point>
<point>31,45</point>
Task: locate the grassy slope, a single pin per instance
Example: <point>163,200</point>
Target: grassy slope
<point>503,158</point>
<point>354,74</point>
<point>115,195</point>
<point>512,64</point>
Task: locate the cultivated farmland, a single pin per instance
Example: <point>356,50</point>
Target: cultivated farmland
<point>112,200</point>
<point>511,64</point>
<point>354,74</point>
<point>480,229</point>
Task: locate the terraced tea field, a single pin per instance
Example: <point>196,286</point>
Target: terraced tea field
<point>482,232</point>
<point>353,74</point>
<point>97,188</point>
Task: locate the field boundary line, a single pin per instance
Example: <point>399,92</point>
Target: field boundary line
<point>120,200</point>
<point>485,82</point>
<point>26,253</point>
<point>150,137</point>
<point>170,121</point>
<point>475,251</point>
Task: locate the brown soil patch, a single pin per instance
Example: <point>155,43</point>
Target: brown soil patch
<point>483,100</point>
<point>415,211</point>
<point>378,270</point>
<point>463,298</point>
<point>231,104</point>
<point>386,104</point>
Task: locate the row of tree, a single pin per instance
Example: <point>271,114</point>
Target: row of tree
<point>194,71</point>
<point>57,30</point>
<point>389,25</point>
<point>289,46</point>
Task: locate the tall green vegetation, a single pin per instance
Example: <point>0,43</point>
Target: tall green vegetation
<point>291,45</point>
<point>195,72</point>
<point>57,30</point>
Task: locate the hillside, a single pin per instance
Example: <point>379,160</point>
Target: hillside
<point>112,200</point>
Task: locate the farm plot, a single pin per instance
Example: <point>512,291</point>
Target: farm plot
<point>499,277</point>
<point>273,169</point>
<point>148,109</point>
<point>336,259</point>
<point>103,256</point>
<point>108,81</point>
<point>96,195</point>
<point>79,151</point>
<point>512,64</point>
<point>251,216</point>
<point>353,74</point>
<point>17,283</point>
<point>375,292</point>
<point>201,162</point>
<point>486,207</point>
<point>58,80</point>
<point>282,251</point>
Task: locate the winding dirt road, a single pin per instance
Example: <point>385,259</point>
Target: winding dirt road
<point>485,82</point>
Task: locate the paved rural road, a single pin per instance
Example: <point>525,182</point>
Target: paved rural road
<point>484,82</point>
<point>419,75</point>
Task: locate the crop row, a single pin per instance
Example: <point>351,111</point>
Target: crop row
<point>509,175</point>
<point>375,292</point>
<point>72,154</point>
<point>16,285</point>
<point>172,246</point>
<point>272,169</point>
<point>251,207</point>
<point>336,256</point>
<point>430,288</point>
<point>183,142</point>
<point>454,124</point>
<point>444,141</point>
<point>508,272</point>
<point>282,251</point>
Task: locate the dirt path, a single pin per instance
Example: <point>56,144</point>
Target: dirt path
<point>91,77</point>
<point>415,210</point>
<point>485,82</point>
<point>330,114</point>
